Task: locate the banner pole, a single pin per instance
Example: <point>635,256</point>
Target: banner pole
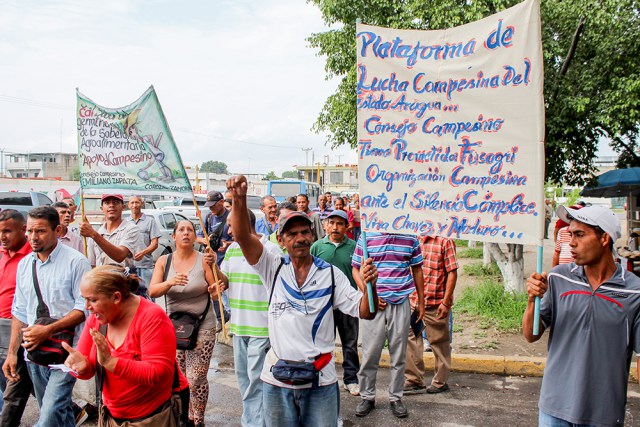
<point>215,270</point>
<point>84,239</point>
<point>536,307</point>
<point>365,256</point>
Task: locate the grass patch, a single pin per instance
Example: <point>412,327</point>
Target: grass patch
<point>493,305</point>
<point>479,270</point>
<point>474,253</point>
<point>461,243</point>
<point>457,328</point>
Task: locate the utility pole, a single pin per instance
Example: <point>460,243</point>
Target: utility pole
<point>306,152</point>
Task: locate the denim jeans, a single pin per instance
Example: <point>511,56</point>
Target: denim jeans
<point>145,274</point>
<point>301,407</point>
<point>248,358</point>
<point>53,391</point>
<point>546,420</point>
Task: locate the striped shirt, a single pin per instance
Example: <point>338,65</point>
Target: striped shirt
<point>440,259</point>
<point>323,214</point>
<point>247,294</point>
<point>562,246</point>
<point>393,255</point>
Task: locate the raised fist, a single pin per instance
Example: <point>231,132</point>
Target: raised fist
<point>237,185</point>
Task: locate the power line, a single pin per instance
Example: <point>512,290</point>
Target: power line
<point>33,103</point>
<point>288,147</point>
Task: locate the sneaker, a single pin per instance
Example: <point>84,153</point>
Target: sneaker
<point>410,389</point>
<point>353,388</point>
<point>81,417</point>
<point>398,409</point>
<point>433,389</point>
<point>364,407</point>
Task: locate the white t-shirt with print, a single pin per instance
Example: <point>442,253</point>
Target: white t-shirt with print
<point>301,318</point>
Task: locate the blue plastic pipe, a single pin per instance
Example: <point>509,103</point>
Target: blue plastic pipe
<point>365,256</point>
<point>536,307</point>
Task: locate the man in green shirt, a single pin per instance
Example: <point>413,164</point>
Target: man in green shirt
<point>337,249</point>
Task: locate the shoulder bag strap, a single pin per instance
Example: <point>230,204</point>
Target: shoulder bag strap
<point>220,228</point>
<point>206,309</point>
<point>42,310</point>
<point>275,278</point>
<point>100,373</point>
<point>333,284</point>
<point>167,266</point>
<point>175,386</point>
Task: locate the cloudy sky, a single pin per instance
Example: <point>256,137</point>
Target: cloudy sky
<point>236,78</point>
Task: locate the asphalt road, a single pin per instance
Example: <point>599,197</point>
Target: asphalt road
<point>473,400</point>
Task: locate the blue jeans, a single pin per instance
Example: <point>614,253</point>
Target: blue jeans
<point>302,407</point>
<point>53,390</point>
<point>145,274</point>
<point>248,358</point>
<point>546,420</point>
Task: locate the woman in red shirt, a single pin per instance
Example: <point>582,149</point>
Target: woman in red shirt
<point>138,352</point>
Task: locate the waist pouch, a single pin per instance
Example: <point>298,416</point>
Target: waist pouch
<point>300,373</point>
<point>50,351</point>
<point>294,373</point>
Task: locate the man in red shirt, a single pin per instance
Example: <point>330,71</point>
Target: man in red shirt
<point>440,270</point>
<point>14,247</point>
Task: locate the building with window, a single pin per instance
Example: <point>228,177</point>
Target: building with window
<point>334,178</point>
<point>63,166</point>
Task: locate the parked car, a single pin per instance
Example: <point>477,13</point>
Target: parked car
<point>23,201</point>
<point>188,210</point>
<point>166,222</point>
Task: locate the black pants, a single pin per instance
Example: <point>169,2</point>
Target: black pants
<point>348,330</point>
<point>16,394</point>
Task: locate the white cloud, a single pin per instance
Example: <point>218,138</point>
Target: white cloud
<point>240,70</point>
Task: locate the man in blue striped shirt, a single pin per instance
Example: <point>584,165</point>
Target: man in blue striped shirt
<point>398,259</point>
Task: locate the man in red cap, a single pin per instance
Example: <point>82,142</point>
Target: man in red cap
<point>116,241</point>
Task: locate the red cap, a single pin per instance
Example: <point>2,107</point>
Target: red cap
<point>112,196</point>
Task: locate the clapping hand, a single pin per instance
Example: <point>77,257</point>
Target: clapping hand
<point>103,352</point>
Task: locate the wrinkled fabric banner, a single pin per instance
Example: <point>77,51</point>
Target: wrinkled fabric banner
<point>129,150</point>
<point>451,129</point>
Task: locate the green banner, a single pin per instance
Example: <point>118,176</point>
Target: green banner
<point>129,150</point>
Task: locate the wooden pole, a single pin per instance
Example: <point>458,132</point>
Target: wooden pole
<point>84,239</point>
<point>215,272</point>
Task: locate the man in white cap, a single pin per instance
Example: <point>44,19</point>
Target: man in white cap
<point>592,307</point>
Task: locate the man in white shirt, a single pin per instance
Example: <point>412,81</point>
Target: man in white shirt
<point>303,290</point>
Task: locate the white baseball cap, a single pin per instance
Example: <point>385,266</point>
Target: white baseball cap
<point>598,216</point>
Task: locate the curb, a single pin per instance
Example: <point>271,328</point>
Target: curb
<point>472,363</point>
<point>483,364</point>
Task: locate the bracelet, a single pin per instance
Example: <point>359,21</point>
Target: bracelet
<point>448,306</point>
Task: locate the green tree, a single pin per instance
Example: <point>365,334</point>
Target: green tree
<point>214,166</point>
<point>591,61</point>
<point>291,174</point>
<point>271,175</point>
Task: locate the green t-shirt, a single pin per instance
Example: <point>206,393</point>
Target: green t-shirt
<point>339,256</point>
